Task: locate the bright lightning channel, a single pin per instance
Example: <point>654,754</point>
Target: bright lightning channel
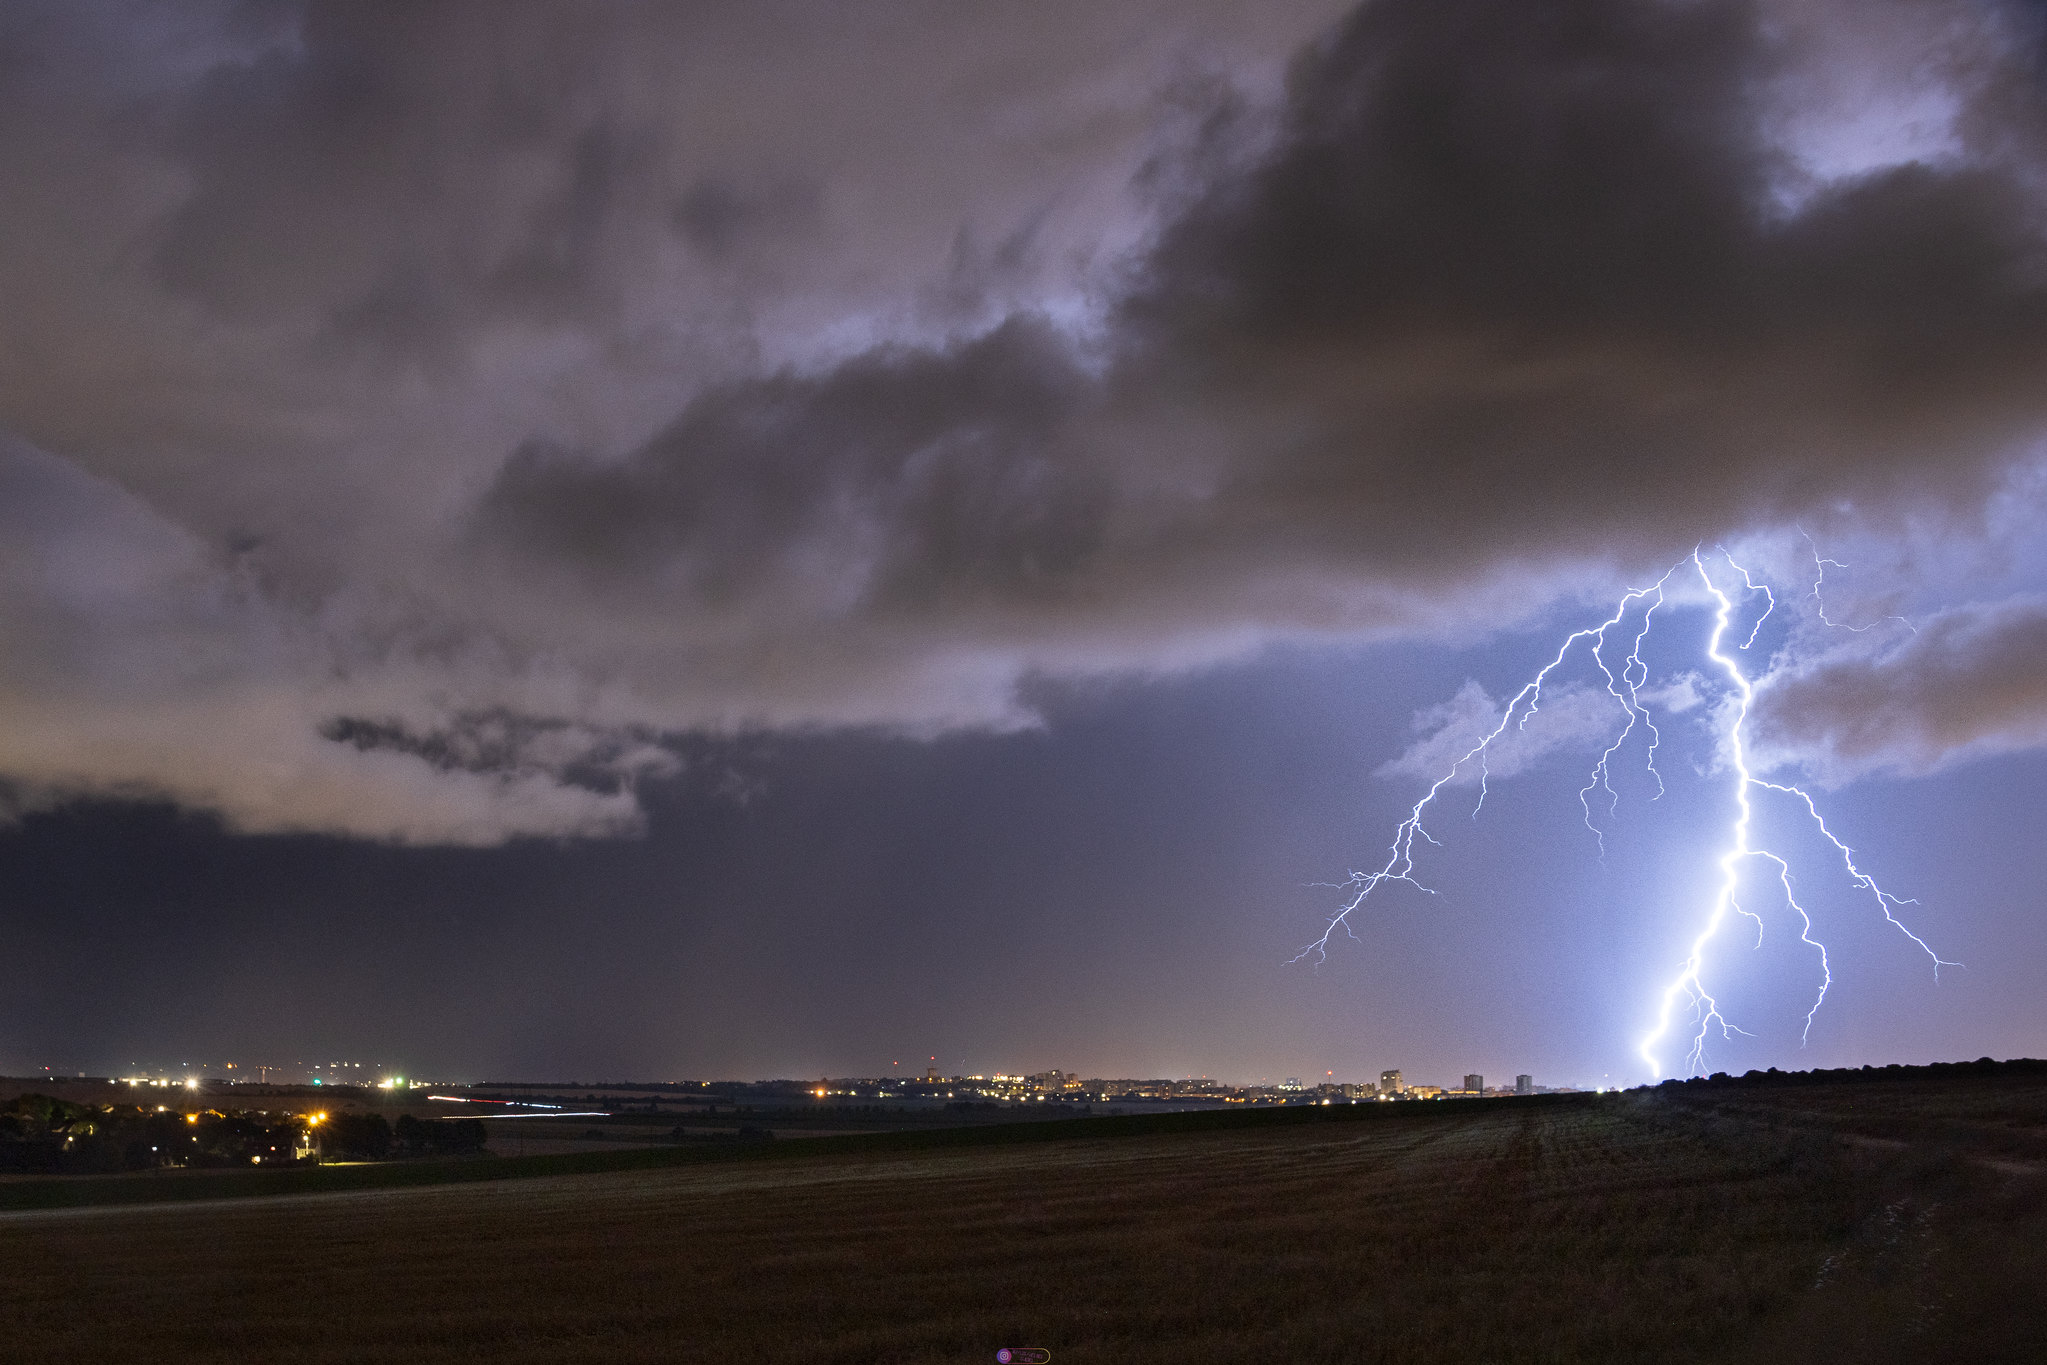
<point>1689,983</point>
<point>1624,683</point>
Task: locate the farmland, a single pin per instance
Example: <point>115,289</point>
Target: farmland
<point>1893,1217</point>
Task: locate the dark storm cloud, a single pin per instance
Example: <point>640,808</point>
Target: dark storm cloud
<point>935,477</point>
<point>1519,276</point>
<point>1515,280</point>
<point>1512,285</point>
<point>1970,681</point>
<point>408,171</point>
<point>630,370</point>
<point>718,216</point>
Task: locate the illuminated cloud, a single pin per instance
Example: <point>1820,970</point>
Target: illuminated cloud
<point>472,398</point>
<point>140,664</point>
<point>1569,718</point>
<point>1970,682</point>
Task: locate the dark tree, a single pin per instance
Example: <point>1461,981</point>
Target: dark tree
<point>355,1137</point>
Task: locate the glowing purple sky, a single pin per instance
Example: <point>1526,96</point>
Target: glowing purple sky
<point>684,540</point>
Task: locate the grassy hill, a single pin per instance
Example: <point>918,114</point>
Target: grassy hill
<point>1857,1216</point>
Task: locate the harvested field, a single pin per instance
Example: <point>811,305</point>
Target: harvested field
<point>1896,1219</point>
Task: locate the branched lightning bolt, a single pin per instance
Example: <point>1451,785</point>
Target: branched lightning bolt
<point>1623,688</point>
<point>1399,865</point>
<point>1689,984</point>
<point>1819,576</point>
<point>1624,683</point>
<point>1884,899</point>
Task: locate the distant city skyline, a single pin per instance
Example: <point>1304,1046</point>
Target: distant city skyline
<point>190,1087</point>
<point>389,1075</point>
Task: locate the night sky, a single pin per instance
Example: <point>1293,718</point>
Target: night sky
<point>652,541</point>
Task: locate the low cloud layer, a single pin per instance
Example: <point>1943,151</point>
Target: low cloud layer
<point>1970,682</point>
<point>1567,718</point>
<point>140,664</point>
<point>435,409</point>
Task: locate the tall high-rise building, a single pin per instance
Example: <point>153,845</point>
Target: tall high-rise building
<point>1474,1082</point>
<point>1524,1085</point>
<point>1391,1084</point>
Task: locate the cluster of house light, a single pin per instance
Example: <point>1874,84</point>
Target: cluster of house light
<point>1043,1085</point>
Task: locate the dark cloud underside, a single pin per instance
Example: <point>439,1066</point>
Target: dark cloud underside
<point>620,372</point>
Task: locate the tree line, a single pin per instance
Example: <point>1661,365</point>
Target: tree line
<point>44,1135</point>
